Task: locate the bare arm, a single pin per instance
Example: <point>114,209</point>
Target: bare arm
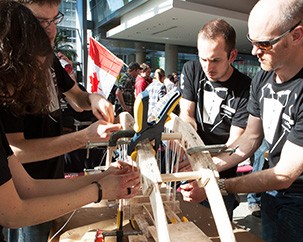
<point>279,177</point>
<point>248,142</point>
<point>25,201</point>
<point>120,98</point>
<point>100,107</point>
<point>235,133</point>
<point>187,112</point>
<point>73,105</point>
<point>30,150</point>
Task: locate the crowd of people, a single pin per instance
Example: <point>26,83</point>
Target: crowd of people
<point>137,79</point>
<point>223,105</point>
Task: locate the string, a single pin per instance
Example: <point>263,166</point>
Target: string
<point>63,226</point>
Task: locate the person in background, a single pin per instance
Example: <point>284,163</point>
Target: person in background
<point>275,30</point>
<point>156,89</point>
<point>67,64</point>
<point>143,79</point>
<point>215,94</point>
<point>23,87</point>
<point>125,92</point>
<point>37,139</point>
<point>176,78</point>
<point>169,82</point>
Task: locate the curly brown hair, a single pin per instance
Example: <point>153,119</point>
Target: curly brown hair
<point>25,60</point>
<point>40,2</point>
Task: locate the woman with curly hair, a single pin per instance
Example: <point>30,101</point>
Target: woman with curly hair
<point>22,40</point>
<point>25,53</point>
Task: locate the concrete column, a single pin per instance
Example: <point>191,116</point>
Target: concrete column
<point>140,53</point>
<point>171,58</point>
<point>131,58</point>
<point>153,64</point>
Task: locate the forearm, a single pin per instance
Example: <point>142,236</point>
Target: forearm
<point>37,210</point>
<point>234,134</point>
<point>45,148</point>
<point>84,100</point>
<point>187,112</point>
<point>257,182</point>
<point>120,99</point>
<point>25,201</point>
<point>244,147</point>
<point>58,186</point>
<point>73,105</point>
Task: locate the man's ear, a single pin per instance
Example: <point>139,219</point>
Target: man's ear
<point>297,35</point>
<point>233,55</point>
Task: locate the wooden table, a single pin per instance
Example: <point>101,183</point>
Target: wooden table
<point>103,216</point>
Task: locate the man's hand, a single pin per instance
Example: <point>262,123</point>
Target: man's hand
<point>101,108</point>
<point>192,193</point>
<point>100,131</point>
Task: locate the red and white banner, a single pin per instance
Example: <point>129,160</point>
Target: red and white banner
<point>103,68</point>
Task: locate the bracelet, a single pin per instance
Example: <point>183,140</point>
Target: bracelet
<point>221,184</point>
<point>99,191</point>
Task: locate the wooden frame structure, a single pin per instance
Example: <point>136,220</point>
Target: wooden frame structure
<point>203,170</point>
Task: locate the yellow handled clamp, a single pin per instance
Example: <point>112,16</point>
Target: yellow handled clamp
<point>152,130</point>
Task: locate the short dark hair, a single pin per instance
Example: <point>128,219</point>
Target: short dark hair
<point>219,28</point>
<point>23,78</point>
<point>159,73</point>
<point>133,66</point>
<point>171,78</point>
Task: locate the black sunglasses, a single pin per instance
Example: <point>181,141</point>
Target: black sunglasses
<point>267,44</point>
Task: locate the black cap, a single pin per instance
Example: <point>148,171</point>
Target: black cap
<point>133,66</point>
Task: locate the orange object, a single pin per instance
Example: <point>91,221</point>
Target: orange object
<point>99,236</point>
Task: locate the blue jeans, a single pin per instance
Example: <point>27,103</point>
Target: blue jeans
<point>36,233</point>
<point>282,217</point>
<point>258,164</point>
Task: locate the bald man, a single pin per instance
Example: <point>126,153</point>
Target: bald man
<point>276,113</point>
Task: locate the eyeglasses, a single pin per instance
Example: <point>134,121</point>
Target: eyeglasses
<point>267,44</point>
<point>56,20</point>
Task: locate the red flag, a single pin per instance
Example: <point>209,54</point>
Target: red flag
<point>103,68</point>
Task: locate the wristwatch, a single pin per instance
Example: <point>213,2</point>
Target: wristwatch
<point>221,184</point>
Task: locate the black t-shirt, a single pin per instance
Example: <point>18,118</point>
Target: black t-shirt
<point>5,152</point>
<point>5,174</point>
<point>219,104</point>
<point>42,126</point>
<point>280,107</point>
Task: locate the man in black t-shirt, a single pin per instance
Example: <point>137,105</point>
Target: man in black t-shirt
<point>214,93</point>
<point>276,114</point>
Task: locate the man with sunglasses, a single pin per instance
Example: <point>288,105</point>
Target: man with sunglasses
<point>37,140</point>
<point>215,94</point>
<point>276,113</point>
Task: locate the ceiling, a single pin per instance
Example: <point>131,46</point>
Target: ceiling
<point>177,22</point>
